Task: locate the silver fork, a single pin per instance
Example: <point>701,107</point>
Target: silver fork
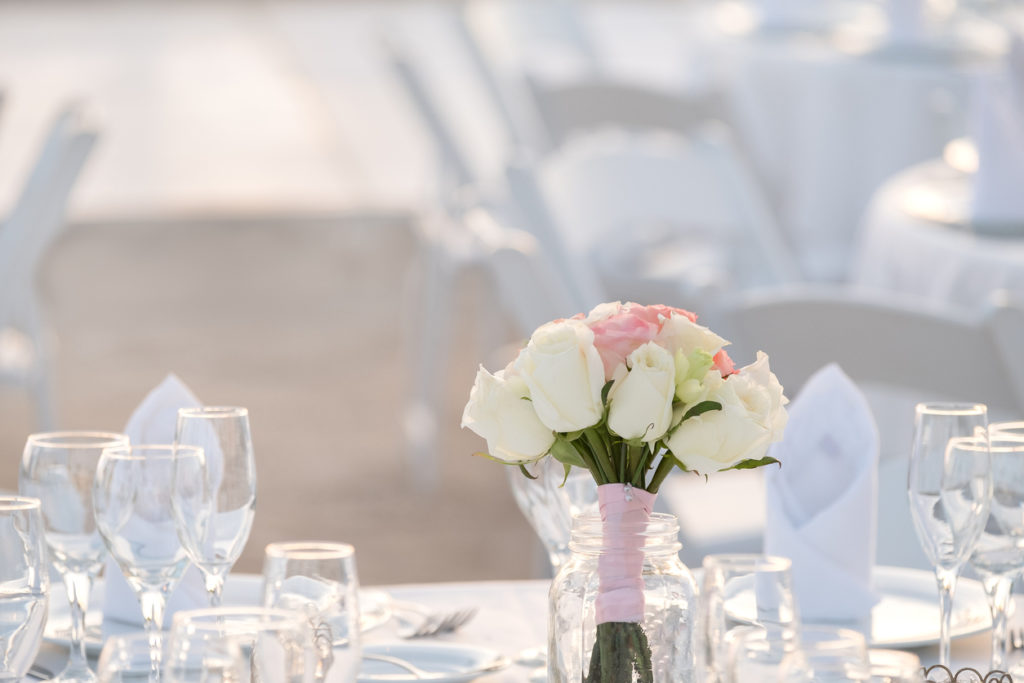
<point>431,623</point>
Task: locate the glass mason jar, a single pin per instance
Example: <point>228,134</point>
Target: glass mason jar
<point>666,634</point>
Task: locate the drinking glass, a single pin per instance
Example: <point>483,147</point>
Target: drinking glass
<point>549,506</point>
<point>998,556</point>
<point>124,659</point>
<point>895,666</point>
<point>277,644</point>
<point>949,488</point>
<point>827,654</point>
<point>132,501</point>
<point>58,468</point>
<point>24,581</point>
<point>739,592</point>
<point>216,519</point>
<point>319,580</point>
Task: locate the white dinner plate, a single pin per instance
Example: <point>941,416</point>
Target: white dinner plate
<point>907,615</point>
<point>454,663</point>
<point>239,590</point>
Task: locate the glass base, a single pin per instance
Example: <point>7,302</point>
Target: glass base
<point>75,675</point>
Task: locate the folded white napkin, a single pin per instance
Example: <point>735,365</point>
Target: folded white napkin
<point>154,422</point>
<point>821,504</point>
<point>997,126</point>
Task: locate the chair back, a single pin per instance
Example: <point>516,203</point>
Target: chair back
<point>38,215</point>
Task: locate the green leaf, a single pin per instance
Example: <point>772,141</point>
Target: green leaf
<point>572,436</point>
<point>751,464</point>
<point>564,452</point>
<point>700,408</point>
<point>566,477</point>
<point>526,472</point>
<point>605,389</point>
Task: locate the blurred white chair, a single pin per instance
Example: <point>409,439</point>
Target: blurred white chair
<point>32,226</point>
<point>580,105</point>
<point>659,217</point>
<point>899,352</point>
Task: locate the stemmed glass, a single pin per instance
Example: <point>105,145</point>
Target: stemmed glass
<point>549,505</point>
<point>215,520</point>
<point>132,501</point>
<point>24,581</point>
<point>949,487</point>
<point>999,555</point>
<point>58,468</point>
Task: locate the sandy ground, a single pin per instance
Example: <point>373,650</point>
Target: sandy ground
<point>302,321</point>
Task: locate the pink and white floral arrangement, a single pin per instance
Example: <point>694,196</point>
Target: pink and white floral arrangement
<point>628,392</point>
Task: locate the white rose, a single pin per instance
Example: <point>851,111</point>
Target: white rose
<point>603,312</point>
<point>565,375</point>
<point>679,333</point>
<point>641,403</point>
<point>499,412</point>
<point>751,418</point>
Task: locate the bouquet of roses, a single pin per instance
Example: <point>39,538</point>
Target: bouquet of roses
<point>628,392</point>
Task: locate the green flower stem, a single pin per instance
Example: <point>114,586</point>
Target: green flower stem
<point>664,467</point>
<point>593,464</point>
<point>642,465</point>
<point>601,455</point>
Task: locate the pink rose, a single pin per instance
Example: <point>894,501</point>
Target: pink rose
<point>618,334</point>
<point>724,364</point>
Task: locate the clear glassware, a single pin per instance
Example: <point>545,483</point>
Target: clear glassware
<point>124,659</point>
<point>277,644</point>
<point>58,468</point>
<point>741,591</point>
<point>216,519</point>
<point>319,580</point>
<point>949,487</point>
<point>549,506</point>
<point>828,654</point>
<point>669,621</point>
<point>24,583</point>
<point>998,556</point>
<point>895,666</point>
<point>132,502</point>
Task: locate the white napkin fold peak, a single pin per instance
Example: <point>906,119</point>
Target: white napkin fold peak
<point>821,505</point>
<point>154,422</point>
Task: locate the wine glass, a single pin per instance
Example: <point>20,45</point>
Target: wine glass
<point>949,488</point>
<point>827,654</point>
<point>549,505</point>
<point>24,582</point>
<point>132,501</point>
<point>216,519</point>
<point>58,468</point>
<point>319,579</point>
<point>278,644</point>
<point>998,556</point>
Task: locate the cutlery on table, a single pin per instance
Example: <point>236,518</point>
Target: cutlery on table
<point>426,623</point>
<point>421,674</point>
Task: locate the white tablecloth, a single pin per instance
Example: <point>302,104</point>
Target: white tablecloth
<point>513,616</point>
<point>939,259</point>
<point>825,129</point>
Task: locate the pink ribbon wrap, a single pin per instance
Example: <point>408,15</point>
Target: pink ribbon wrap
<point>624,516</point>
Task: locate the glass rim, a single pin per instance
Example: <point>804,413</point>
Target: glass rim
<point>213,412</point>
<point>1011,427</point>
<point>16,503</point>
<point>310,550</point>
<point>750,562</point>
<point>77,439</point>
<point>951,408</point>
<point>152,452</point>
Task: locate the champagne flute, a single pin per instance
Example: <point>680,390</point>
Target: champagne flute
<point>949,487</point>
<point>24,581</point>
<point>58,468</point>
<point>998,556</point>
<point>132,501</point>
<point>215,520</point>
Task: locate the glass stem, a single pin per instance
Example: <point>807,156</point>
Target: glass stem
<point>998,589</point>
<point>153,603</point>
<point>78,586</point>
<point>947,585</point>
<point>214,586</point>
